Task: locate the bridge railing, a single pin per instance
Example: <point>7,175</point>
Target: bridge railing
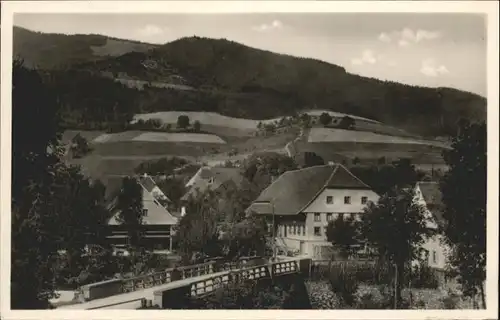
<point>118,286</point>
<point>207,286</point>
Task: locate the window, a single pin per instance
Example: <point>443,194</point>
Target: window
<point>317,231</point>
<point>303,230</point>
<point>317,217</point>
<point>347,200</point>
<point>329,217</point>
<point>329,200</point>
<point>144,212</point>
<point>294,230</point>
<point>341,216</point>
<point>434,257</point>
<point>364,200</point>
<point>335,216</point>
<point>211,180</point>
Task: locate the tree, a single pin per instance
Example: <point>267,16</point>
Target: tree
<point>198,232</point>
<point>311,159</point>
<point>343,234</point>
<point>464,196</point>
<point>347,123</point>
<point>401,174</point>
<point>325,119</point>
<point>80,146</point>
<point>173,188</point>
<point>396,228</point>
<point>305,120</point>
<point>246,237</point>
<point>131,211</point>
<point>182,122</point>
<point>197,126</point>
<point>260,168</point>
<point>53,208</point>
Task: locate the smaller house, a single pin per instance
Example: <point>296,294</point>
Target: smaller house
<point>212,178</point>
<point>158,222</point>
<point>434,250</point>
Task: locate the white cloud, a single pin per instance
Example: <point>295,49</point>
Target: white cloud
<point>367,57</point>
<point>408,36</point>
<point>430,68</point>
<point>403,43</point>
<point>384,37</point>
<point>275,25</point>
<point>151,30</point>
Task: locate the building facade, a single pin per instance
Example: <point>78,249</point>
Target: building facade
<point>158,223</point>
<point>303,202</point>
<point>435,251</point>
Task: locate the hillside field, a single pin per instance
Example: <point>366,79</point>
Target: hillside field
<point>321,135</point>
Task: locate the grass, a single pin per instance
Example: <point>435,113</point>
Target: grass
<point>340,135</point>
<point>147,148</point>
<point>322,297</point>
<point>370,153</point>
<point>205,118</point>
<point>179,137</point>
<point>335,114</point>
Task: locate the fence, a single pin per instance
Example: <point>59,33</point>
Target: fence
<point>118,286</point>
<point>207,286</point>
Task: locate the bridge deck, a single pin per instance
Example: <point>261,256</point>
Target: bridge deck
<point>132,300</point>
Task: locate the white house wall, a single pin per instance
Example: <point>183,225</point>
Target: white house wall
<point>338,206</point>
<point>320,205</point>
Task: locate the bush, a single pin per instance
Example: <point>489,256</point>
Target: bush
<point>345,286</point>
<point>423,277</point>
<point>321,295</point>
<point>450,301</point>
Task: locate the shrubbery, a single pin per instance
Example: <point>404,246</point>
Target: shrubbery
<point>286,293</point>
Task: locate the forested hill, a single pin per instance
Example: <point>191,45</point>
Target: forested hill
<point>236,80</point>
<point>49,51</point>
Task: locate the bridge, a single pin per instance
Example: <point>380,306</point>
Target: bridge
<point>164,289</point>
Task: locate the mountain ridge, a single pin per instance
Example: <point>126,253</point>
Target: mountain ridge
<point>236,80</point>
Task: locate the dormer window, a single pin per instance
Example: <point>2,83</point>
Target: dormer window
<point>211,180</point>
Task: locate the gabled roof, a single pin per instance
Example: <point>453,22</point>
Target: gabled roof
<point>149,185</point>
<point>294,190</point>
<point>431,194</point>
<point>147,182</point>
<point>156,215</point>
<point>213,178</point>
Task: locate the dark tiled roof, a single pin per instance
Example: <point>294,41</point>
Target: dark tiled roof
<point>156,215</point>
<point>432,195</point>
<point>294,190</point>
<point>147,182</point>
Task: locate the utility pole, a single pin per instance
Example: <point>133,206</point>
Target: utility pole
<point>396,287</point>
<point>274,236</point>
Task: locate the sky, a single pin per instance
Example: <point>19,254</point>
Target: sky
<point>426,49</point>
